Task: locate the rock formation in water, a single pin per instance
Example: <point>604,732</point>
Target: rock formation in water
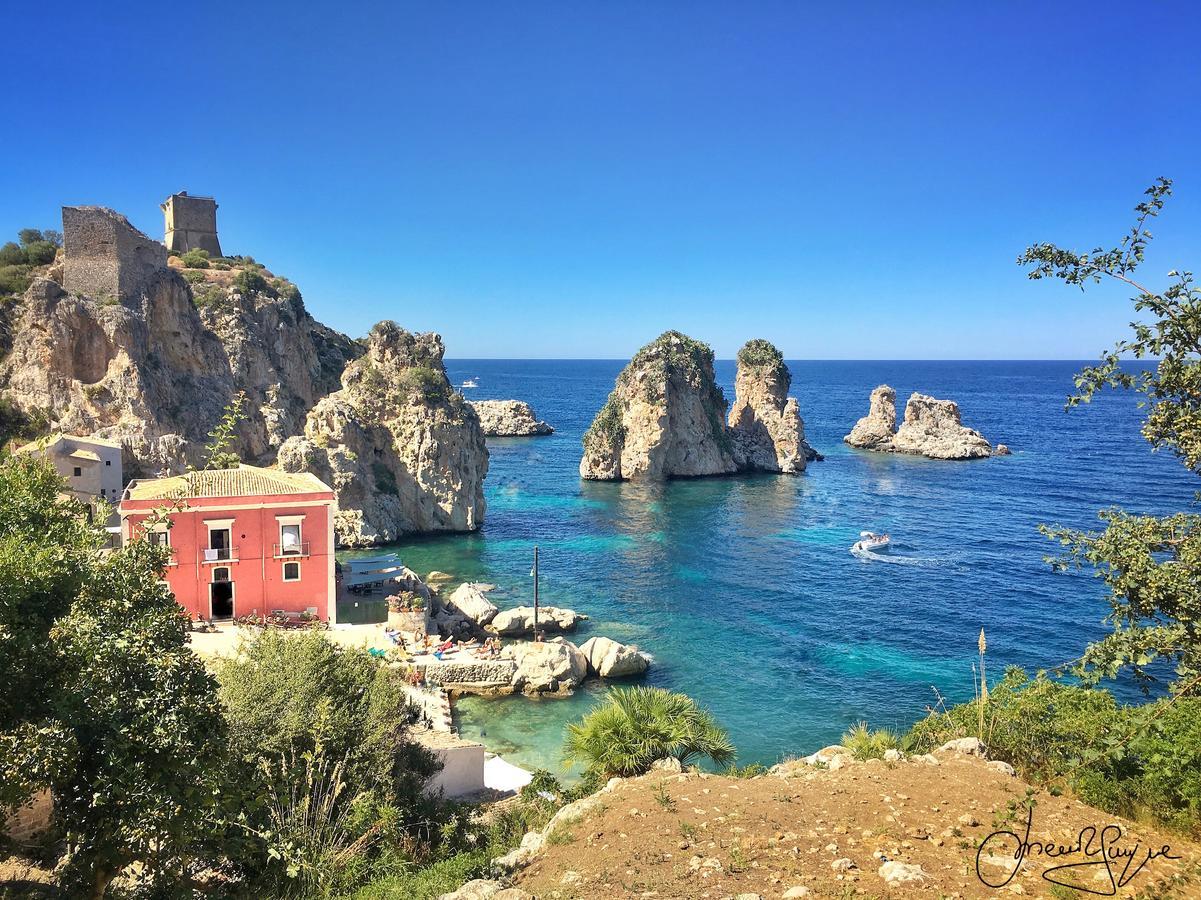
<point>876,430</point>
<point>609,659</point>
<point>509,418</point>
<point>765,423</point>
<point>404,451</point>
<point>666,417</point>
<point>150,368</point>
<point>931,428</point>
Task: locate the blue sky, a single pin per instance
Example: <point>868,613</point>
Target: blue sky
<point>570,179</point>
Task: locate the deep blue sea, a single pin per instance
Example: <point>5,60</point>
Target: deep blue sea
<point>743,589</point>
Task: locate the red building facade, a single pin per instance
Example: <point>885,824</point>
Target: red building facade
<point>244,541</point>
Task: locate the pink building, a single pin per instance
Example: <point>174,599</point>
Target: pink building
<point>244,541</point>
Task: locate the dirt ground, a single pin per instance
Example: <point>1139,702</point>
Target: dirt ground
<point>820,832</point>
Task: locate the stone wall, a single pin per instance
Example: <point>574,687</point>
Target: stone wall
<point>492,672</point>
<point>191,223</point>
<point>105,256</point>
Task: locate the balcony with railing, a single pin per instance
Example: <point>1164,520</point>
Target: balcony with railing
<point>218,554</point>
<point>292,549</point>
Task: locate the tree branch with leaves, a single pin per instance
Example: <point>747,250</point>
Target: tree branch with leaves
<point>1151,565</point>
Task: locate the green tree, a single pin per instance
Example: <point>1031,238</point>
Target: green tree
<point>104,702</point>
<point>29,236</point>
<point>218,454</point>
<point>633,727</point>
<point>1151,565</point>
<point>11,254</point>
<point>322,729</point>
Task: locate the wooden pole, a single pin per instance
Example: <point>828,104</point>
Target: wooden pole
<point>535,592</point>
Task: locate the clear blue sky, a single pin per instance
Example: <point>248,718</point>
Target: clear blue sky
<point>567,179</point>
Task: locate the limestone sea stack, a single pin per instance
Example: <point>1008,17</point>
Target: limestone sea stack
<point>404,451</point>
<point>509,418</point>
<point>765,423</point>
<point>666,417</point>
<point>932,428</point>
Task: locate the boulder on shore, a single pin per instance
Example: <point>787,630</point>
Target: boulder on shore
<point>520,620</point>
<point>932,428</point>
<point>547,666</point>
<point>509,418</point>
<point>609,659</point>
<point>471,602</point>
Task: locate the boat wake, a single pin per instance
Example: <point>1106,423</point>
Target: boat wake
<point>894,559</point>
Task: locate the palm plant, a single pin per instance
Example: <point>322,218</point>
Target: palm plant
<point>864,743</point>
<point>633,727</point>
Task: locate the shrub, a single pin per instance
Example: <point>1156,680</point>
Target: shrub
<point>196,259</point>
<point>867,744</point>
<point>759,353</point>
<point>14,280</point>
<point>11,255</point>
<point>607,429</point>
<point>285,289</point>
<point>40,253</point>
<point>424,383</point>
<point>193,277</point>
<point>248,281</point>
<point>633,727</point>
<point>206,295</point>
<point>1136,761</point>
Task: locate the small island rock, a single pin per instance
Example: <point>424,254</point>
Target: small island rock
<point>509,418</point>
<point>931,428</point>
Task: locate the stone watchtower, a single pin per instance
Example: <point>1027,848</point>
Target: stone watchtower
<point>191,223</point>
<point>105,256</point>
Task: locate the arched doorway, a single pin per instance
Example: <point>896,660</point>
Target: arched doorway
<point>221,594</point>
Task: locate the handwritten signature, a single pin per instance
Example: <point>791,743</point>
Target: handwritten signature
<point>1094,848</point>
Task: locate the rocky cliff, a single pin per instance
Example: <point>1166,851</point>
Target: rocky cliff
<point>154,371</point>
<point>931,428</point>
<point>765,423</point>
<point>402,449</point>
<point>666,416</point>
<point>509,418</point>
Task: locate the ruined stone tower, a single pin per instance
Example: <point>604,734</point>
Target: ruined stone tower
<point>191,223</point>
<point>105,256</point>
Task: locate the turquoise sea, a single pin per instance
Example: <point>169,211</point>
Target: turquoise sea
<point>743,589</point>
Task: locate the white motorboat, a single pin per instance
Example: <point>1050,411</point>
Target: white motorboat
<point>470,383</point>
<point>870,542</point>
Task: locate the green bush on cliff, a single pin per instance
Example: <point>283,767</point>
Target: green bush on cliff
<point>14,280</point>
<point>758,353</point>
<point>196,259</point>
<point>607,429</point>
<point>249,281</point>
<point>1069,735</point>
<point>423,383</point>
